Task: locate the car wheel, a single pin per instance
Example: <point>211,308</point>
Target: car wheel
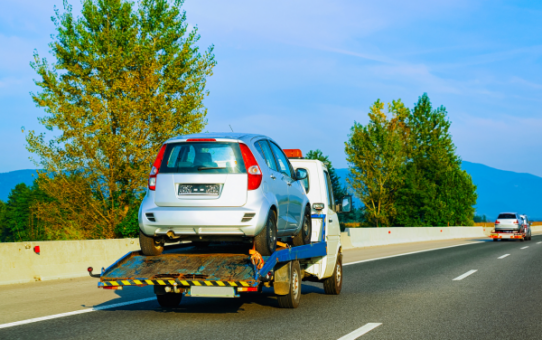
<point>334,284</point>
<point>266,241</point>
<point>495,240</point>
<point>304,236</point>
<point>291,300</point>
<point>169,300</point>
<point>150,246</point>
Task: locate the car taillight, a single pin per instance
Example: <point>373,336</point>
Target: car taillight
<point>253,169</point>
<point>156,168</point>
<point>497,222</point>
<point>516,222</point>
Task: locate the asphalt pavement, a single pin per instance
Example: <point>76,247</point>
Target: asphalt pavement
<point>471,291</point>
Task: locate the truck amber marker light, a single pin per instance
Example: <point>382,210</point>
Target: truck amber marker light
<point>293,153</point>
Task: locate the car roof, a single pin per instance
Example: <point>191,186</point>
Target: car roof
<point>228,135</point>
<point>507,212</point>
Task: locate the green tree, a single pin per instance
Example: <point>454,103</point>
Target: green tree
<point>2,220</point>
<point>436,191</point>
<point>338,190</point>
<point>127,77</point>
<point>377,154</point>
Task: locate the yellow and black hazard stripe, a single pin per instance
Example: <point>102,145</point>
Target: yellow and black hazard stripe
<point>177,283</point>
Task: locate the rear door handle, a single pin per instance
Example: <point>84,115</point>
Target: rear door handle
<point>273,176</point>
<point>289,183</point>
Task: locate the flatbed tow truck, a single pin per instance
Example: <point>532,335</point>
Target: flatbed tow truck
<point>509,235</point>
<point>226,270</point>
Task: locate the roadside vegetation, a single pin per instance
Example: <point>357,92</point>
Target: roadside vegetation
<point>404,168</point>
<point>125,78</point>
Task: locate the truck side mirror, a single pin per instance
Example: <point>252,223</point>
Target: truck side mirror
<point>346,204</point>
<point>300,174</point>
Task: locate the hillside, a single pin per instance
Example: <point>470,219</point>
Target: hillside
<point>498,191</point>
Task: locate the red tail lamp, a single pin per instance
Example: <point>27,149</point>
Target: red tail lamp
<point>251,165</point>
<point>37,249</point>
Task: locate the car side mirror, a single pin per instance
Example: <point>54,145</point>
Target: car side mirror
<point>346,204</point>
<point>300,174</point>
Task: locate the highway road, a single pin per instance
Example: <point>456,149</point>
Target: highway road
<point>473,289</point>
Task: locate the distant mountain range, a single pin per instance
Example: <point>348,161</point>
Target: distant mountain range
<point>498,190</point>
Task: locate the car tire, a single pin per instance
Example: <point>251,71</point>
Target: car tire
<point>150,246</point>
<point>334,284</point>
<point>266,241</point>
<point>495,240</point>
<point>291,300</point>
<point>169,300</point>
<point>304,235</point>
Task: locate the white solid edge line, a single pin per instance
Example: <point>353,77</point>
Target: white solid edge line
<point>502,257</point>
<point>360,331</point>
<point>461,277</point>
<point>525,247</point>
<point>412,252</point>
<point>538,242</point>
<point>86,310</point>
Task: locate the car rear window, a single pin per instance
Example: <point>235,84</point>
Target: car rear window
<point>506,216</point>
<point>203,158</point>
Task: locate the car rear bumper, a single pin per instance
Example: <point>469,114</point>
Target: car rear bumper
<point>203,221</point>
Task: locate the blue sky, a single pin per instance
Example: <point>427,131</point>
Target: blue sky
<point>303,71</point>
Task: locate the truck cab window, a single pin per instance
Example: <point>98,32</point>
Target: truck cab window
<point>329,189</point>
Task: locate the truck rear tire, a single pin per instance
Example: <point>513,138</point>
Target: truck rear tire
<point>291,300</point>
<point>169,300</point>
<point>304,236</point>
<point>266,241</point>
<point>150,246</point>
<point>334,284</point>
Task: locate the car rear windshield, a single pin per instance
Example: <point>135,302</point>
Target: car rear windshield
<point>203,158</point>
<point>506,216</point>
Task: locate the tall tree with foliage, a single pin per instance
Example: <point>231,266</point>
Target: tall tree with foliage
<point>377,154</point>
<point>2,220</point>
<point>338,190</point>
<point>436,191</point>
<point>20,215</point>
<point>127,76</point>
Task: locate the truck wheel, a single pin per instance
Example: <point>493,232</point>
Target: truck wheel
<point>291,300</point>
<point>169,300</point>
<point>334,284</point>
<point>266,240</point>
<point>304,236</point>
<point>150,246</point>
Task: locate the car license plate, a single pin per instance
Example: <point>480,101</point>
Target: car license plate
<point>199,189</point>
<point>212,292</point>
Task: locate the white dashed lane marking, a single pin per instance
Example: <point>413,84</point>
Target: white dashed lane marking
<point>360,331</point>
<point>461,277</point>
<point>525,247</point>
<point>505,255</point>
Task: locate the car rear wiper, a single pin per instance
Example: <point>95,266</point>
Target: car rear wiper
<point>210,167</point>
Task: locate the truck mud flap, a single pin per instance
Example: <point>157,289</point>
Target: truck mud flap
<point>281,282</point>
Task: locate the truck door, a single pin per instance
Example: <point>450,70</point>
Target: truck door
<point>333,232</point>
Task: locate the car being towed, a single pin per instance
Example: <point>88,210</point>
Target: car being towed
<point>223,187</point>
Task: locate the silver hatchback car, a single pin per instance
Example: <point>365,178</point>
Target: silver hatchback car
<point>223,187</point>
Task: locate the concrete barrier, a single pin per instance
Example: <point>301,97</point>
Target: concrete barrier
<point>69,259</point>
<point>369,237</point>
<point>59,259</point>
